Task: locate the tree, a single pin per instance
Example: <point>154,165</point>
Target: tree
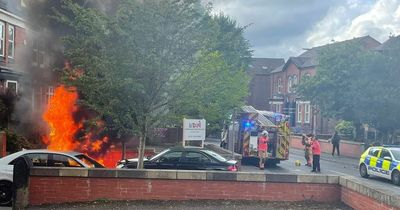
<point>226,57</point>
<point>357,85</point>
<point>134,66</point>
<point>227,37</point>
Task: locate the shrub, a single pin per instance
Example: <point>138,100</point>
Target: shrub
<point>16,142</point>
<point>345,128</point>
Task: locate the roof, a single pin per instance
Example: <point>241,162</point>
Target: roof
<point>261,119</point>
<point>278,69</point>
<point>389,44</point>
<point>309,58</point>
<point>364,41</point>
<point>265,65</point>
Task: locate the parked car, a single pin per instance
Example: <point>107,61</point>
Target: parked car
<point>382,161</point>
<point>184,158</point>
<point>44,158</point>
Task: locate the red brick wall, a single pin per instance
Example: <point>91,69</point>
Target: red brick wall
<point>20,37</point>
<point>346,149</point>
<point>48,190</point>
<point>359,201</point>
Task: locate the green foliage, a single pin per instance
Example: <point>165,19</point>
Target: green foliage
<point>147,65</point>
<point>345,128</point>
<point>210,90</point>
<point>226,37</point>
<point>357,85</point>
<point>16,142</point>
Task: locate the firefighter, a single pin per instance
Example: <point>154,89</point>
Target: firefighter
<point>262,148</point>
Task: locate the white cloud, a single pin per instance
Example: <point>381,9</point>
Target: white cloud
<point>345,22</point>
<point>281,28</point>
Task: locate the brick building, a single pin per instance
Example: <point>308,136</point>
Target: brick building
<point>24,65</point>
<point>12,44</point>
<point>304,117</point>
<point>260,80</point>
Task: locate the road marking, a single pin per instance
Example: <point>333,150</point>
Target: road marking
<point>343,174</point>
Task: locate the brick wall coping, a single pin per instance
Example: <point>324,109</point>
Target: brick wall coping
<point>388,197</point>
<point>184,175</point>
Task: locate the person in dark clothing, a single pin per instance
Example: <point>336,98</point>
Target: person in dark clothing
<point>335,140</point>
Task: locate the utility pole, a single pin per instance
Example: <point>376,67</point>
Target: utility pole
<point>234,133</point>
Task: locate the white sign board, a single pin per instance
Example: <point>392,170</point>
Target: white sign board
<point>194,130</point>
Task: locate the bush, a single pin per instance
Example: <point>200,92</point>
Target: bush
<point>16,142</point>
<point>345,128</point>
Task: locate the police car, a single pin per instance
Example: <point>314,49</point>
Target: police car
<point>382,161</point>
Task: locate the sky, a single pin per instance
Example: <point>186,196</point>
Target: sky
<point>284,28</point>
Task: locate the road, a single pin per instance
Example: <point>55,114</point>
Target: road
<point>341,166</point>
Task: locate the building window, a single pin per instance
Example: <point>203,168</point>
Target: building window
<point>294,83</point>
<point>38,53</point>
<point>278,108</point>
<point>12,86</point>
<point>289,86</point>
<point>2,34</point>
<point>307,112</point>
<point>279,85</point>
<point>49,94</point>
<point>11,40</point>
<point>299,113</point>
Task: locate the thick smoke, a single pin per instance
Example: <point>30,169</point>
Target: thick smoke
<point>43,62</point>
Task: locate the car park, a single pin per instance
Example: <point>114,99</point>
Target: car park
<point>183,158</point>
<point>43,158</point>
<point>381,161</point>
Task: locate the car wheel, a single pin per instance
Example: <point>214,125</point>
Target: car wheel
<point>396,177</point>
<point>5,193</point>
<point>363,171</point>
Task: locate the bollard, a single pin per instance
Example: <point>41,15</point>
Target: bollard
<point>22,167</point>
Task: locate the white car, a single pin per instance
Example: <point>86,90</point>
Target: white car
<point>41,157</point>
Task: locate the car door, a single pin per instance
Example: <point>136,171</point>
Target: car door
<point>383,163</point>
<point>167,161</point>
<point>371,161</point>
<point>192,160</point>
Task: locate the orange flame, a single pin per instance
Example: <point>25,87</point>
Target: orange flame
<point>63,128</point>
<point>59,118</point>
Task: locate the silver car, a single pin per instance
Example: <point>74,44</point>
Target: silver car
<point>43,158</point>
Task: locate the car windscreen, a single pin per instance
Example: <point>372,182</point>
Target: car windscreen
<point>89,161</point>
<point>215,155</point>
<point>159,154</point>
<point>396,154</point>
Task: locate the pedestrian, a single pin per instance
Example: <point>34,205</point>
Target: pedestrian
<point>307,149</point>
<point>224,137</point>
<point>335,140</point>
<point>316,152</point>
<point>262,148</point>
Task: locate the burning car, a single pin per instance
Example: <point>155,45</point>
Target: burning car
<point>183,158</point>
<point>44,158</point>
